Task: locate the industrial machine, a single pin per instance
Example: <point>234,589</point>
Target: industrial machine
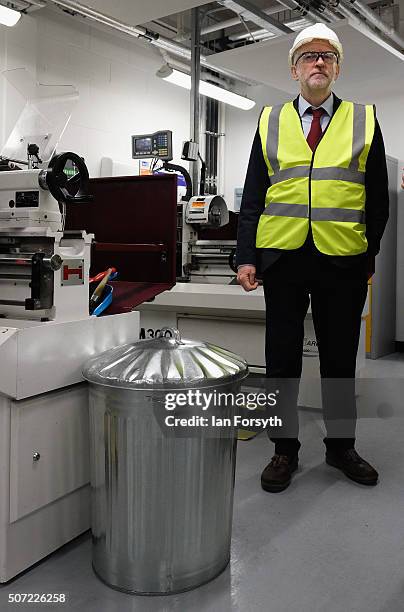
<point>50,212</point>
<point>200,257</point>
<point>211,248</point>
<point>209,233</point>
<point>43,269</point>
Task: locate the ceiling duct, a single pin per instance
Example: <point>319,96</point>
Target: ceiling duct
<point>298,24</point>
<point>329,8</point>
<point>329,11</point>
<point>308,9</point>
<point>304,12</point>
<point>229,23</point>
<point>141,33</point>
<point>249,12</point>
<point>345,7</point>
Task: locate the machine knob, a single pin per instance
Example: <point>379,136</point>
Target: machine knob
<point>55,262</point>
<point>64,189</point>
<point>36,456</point>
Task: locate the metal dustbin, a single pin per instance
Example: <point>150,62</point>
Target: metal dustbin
<point>162,502</point>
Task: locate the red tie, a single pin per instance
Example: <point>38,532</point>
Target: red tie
<point>315,129</point>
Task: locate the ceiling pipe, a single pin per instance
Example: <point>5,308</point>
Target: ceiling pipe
<point>311,14</point>
<point>229,23</point>
<point>261,34</point>
<point>175,48</point>
<point>306,11</point>
<point>351,16</point>
<point>254,36</point>
<point>144,34</point>
<point>344,7</point>
<point>370,16</point>
<point>331,8</point>
<point>195,107</point>
<point>134,31</point>
<point>249,12</point>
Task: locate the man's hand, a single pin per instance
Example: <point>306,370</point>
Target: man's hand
<point>246,277</point>
<point>402,180</point>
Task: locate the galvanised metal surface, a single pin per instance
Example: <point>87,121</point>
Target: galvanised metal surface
<point>162,498</point>
<point>165,362</point>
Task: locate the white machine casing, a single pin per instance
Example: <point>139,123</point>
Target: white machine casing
<point>14,216</point>
<point>69,299</point>
<point>207,210</point>
<point>46,336</point>
<point>44,448</point>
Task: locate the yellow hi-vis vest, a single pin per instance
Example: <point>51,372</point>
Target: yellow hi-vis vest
<point>325,188</point>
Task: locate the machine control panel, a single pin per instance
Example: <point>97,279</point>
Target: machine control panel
<point>158,144</point>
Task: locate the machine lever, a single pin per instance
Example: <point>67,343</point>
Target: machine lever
<point>40,298</point>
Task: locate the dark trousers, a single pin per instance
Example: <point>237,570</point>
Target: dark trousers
<point>337,296</point>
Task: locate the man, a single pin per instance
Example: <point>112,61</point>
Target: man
<point>314,209</point>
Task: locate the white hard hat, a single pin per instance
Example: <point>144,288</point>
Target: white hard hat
<point>317,30</point>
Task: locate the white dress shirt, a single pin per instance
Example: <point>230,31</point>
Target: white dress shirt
<point>306,117</point>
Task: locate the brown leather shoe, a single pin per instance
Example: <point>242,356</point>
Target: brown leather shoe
<point>277,475</point>
<point>352,465</point>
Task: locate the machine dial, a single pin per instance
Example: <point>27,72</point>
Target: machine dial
<point>65,189</point>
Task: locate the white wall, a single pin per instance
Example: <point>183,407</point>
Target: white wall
<point>240,127</point>
<point>119,92</point>
<point>390,113</point>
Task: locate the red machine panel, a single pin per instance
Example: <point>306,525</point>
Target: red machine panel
<point>133,219</point>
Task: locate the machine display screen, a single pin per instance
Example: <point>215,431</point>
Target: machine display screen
<point>158,145</point>
<point>143,145</point>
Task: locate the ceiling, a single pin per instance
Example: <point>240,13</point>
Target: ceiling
<point>230,42</point>
<point>136,12</point>
<point>370,64</point>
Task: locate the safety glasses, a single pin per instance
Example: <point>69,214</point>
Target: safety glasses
<point>309,57</point>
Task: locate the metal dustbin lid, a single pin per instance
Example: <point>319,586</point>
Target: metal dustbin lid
<point>166,363</point>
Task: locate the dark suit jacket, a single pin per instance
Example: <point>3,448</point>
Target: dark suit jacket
<point>253,203</point>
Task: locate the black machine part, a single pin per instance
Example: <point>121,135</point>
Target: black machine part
<point>215,216</point>
<point>42,269</point>
<point>188,181</point>
<point>33,155</point>
<point>66,190</point>
<point>232,261</point>
<point>190,152</point>
<point>41,278</point>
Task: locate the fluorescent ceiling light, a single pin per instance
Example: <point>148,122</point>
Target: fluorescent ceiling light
<point>8,17</point>
<point>206,89</point>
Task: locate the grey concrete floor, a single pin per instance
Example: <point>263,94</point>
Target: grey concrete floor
<point>325,544</point>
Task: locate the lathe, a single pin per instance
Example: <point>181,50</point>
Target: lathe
<point>49,213</point>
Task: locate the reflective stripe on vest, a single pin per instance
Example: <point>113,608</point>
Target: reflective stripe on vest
<point>318,214</point>
<point>325,186</point>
